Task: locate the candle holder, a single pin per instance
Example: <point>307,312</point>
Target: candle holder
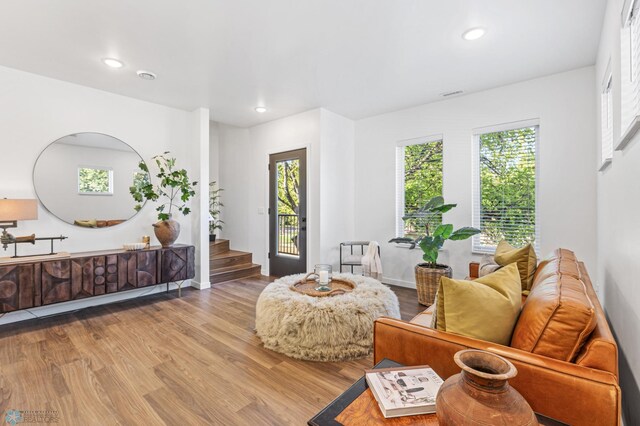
<point>323,272</point>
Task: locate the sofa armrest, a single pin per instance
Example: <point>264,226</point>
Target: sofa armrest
<point>474,270</point>
<point>564,391</point>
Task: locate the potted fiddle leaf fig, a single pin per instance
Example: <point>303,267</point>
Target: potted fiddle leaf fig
<point>214,210</point>
<point>428,274</point>
<point>174,189</point>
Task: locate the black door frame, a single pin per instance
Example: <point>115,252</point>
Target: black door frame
<point>280,265</point>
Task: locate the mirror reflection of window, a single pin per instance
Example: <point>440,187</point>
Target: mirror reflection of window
<point>95,181</point>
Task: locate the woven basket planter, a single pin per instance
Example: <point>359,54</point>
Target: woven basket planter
<point>428,281</point>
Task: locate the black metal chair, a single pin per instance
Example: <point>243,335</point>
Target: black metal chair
<point>351,259</point>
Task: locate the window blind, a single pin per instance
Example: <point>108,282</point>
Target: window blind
<point>504,186</point>
<point>630,71</point>
<point>606,115</point>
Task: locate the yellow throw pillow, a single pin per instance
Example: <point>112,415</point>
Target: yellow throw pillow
<point>525,257</point>
<point>485,309</point>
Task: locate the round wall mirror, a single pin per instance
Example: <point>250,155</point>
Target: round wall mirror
<point>84,179</point>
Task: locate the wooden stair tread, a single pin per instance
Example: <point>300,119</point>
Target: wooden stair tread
<point>233,268</point>
<point>234,273</point>
<point>218,241</point>
<point>230,253</point>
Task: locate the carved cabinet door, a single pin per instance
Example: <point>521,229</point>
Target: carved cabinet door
<point>177,264</point>
<point>19,287</point>
<point>146,268</point>
<point>56,281</point>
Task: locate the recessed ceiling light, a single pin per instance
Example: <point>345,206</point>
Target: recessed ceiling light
<point>474,33</point>
<point>261,109</point>
<point>146,75</point>
<point>113,63</point>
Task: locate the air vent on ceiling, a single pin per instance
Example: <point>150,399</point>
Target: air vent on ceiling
<point>457,92</point>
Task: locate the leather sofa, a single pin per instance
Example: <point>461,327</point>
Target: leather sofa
<point>577,387</point>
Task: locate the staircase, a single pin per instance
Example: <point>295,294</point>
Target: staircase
<point>227,265</point>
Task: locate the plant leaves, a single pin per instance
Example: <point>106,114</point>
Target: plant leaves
<point>443,231</point>
<point>443,208</point>
<point>464,233</point>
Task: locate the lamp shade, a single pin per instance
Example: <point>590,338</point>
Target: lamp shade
<point>11,210</point>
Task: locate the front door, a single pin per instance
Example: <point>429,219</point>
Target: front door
<point>288,213</point>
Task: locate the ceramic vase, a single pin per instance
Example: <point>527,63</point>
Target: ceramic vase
<point>167,232</point>
<point>481,394</point>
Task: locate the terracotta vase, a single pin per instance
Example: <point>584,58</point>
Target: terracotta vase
<point>167,232</point>
<point>481,395</point>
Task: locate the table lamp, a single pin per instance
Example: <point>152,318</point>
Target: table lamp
<point>13,210</point>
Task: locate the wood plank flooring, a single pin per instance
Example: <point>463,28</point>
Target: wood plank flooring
<point>161,359</point>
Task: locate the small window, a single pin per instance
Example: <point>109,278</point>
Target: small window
<point>606,119</point>
<point>418,179</point>
<point>95,181</point>
<point>504,189</point>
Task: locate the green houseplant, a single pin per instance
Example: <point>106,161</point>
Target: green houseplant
<point>174,188</point>
<point>428,274</point>
<point>214,210</point>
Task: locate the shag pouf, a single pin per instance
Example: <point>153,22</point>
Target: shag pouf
<point>332,328</point>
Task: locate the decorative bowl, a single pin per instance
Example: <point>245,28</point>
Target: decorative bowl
<point>133,246</point>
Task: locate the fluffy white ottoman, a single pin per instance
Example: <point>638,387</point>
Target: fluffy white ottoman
<point>329,328</point>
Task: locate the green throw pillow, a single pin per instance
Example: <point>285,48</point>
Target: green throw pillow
<point>485,309</point>
<point>525,257</point>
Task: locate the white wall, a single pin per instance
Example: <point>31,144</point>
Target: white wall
<point>337,185</point>
<point>618,226</point>
<point>34,111</point>
<point>235,179</point>
<point>563,103</point>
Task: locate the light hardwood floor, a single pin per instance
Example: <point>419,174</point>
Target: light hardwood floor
<point>161,359</point>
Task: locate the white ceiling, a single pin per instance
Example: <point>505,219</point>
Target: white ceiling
<point>355,57</point>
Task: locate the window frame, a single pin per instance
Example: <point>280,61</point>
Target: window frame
<point>476,200</point>
<point>108,169</point>
<point>400,200</point>
<point>606,119</point>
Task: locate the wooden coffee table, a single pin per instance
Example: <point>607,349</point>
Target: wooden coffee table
<point>357,407</point>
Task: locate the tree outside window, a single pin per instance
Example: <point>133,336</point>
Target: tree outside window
<point>420,171</point>
<point>507,188</point>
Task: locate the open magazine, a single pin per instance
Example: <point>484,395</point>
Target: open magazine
<point>404,391</point>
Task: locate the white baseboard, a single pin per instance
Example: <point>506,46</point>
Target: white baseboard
<point>399,283</point>
<point>74,305</point>
<point>199,285</point>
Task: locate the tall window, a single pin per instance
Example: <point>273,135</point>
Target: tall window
<point>418,179</point>
<point>505,186</point>
<point>630,71</point>
<point>606,119</point>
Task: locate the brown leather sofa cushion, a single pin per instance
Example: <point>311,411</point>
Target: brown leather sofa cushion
<point>557,317</point>
<point>559,261</point>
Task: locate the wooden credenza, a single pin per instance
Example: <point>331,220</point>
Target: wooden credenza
<point>44,282</point>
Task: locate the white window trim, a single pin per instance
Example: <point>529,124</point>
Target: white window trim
<point>476,248</point>
<point>400,175</point>
<point>606,119</point>
<point>109,169</point>
<point>629,119</point>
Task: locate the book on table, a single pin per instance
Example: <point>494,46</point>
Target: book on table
<point>404,391</point>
